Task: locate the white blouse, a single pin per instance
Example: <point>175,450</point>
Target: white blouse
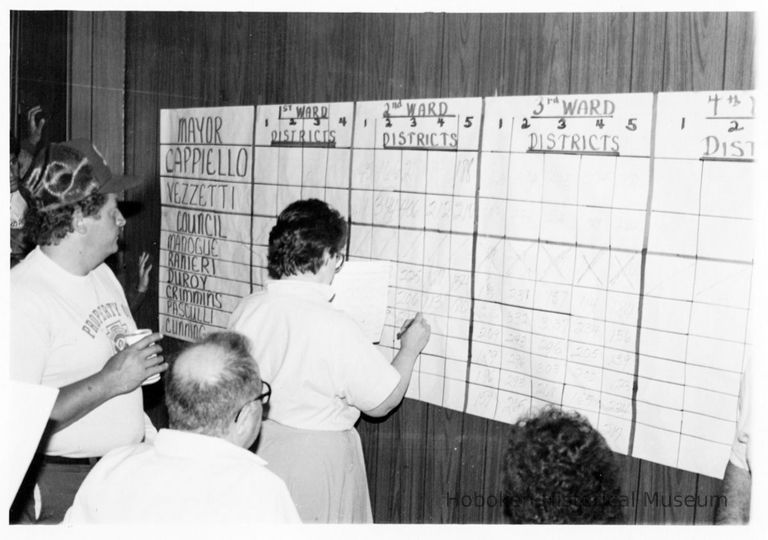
<point>322,369</point>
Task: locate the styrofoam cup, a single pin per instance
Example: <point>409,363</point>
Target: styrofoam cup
<point>135,337</point>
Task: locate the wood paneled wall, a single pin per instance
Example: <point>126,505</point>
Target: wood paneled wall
<point>38,74</point>
<point>97,82</point>
<point>424,462</point>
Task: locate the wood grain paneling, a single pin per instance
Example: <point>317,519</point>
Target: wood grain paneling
<point>324,36</point>
<point>296,72</point>
<point>648,52</point>
<point>601,58</point>
<point>417,55</point>
<point>422,459</point>
<point>186,53</point>
<point>461,46</point>
<point>694,52</point>
<point>108,76</point>
<point>238,85</point>
<point>471,478</point>
<point>495,447</point>
<point>544,43</point>
<point>705,506</point>
<point>662,495</point>
<point>80,75</point>
<point>491,70</point>
<point>739,51</point>
<point>38,71</point>
<point>274,28</point>
<point>388,440</point>
<point>412,463</point>
<point>629,479</point>
<point>442,443</point>
<point>374,74</point>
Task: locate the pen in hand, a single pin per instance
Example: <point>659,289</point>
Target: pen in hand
<point>405,328</point>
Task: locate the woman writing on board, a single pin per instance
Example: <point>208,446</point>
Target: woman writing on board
<point>322,368</point>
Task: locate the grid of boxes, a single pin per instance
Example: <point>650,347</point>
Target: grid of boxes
<point>588,252</point>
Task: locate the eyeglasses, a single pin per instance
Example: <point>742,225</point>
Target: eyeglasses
<point>263,397</point>
<point>339,261</point>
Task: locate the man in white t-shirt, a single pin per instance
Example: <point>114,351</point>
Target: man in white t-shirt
<point>199,470</point>
<point>69,320</point>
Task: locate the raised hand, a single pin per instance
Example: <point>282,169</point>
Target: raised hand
<point>144,269</point>
<point>35,125</point>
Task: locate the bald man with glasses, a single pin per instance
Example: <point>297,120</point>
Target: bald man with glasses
<point>200,469</point>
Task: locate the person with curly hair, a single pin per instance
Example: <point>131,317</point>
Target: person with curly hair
<point>559,469</point>
<point>323,370</point>
<point>69,322</point>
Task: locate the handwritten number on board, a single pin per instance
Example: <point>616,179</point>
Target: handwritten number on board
<point>682,123</point>
<point>599,123</point>
<point>632,124</point>
<point>413,121</point>
<point>734,127</point>
<point>292,122</point>
<point>525,124</point>
<point>561,123</point>
<point>440,122</point>
<point>468,121</point>
<point>317,121</point>
<point>387,122</point>
<point>343,120</point>
<point>715,99</point>
<point>266,122</point>
<point>501,123</point>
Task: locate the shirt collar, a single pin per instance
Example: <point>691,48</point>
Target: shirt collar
<point>310,290</point>
<point>53,268</point>
<point>195,445</point>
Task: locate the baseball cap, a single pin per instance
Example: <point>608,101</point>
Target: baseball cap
<point>68,172</point>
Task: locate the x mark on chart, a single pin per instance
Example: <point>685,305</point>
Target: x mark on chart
<point>589,269</point>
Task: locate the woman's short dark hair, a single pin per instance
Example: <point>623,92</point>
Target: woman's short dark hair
<point>49,227</point>
<point>304,231</point>
<point>559,469</point>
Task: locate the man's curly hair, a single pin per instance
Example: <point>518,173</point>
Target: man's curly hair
<point>305,230</point>
<point>49,227</point>
<point>559,469</point>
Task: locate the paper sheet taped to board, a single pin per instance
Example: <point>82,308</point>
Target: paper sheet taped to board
<point>592,252</point>
<point>206,168</point>
<point>360,289</point>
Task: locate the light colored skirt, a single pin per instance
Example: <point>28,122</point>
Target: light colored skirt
<point>324,472</point>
